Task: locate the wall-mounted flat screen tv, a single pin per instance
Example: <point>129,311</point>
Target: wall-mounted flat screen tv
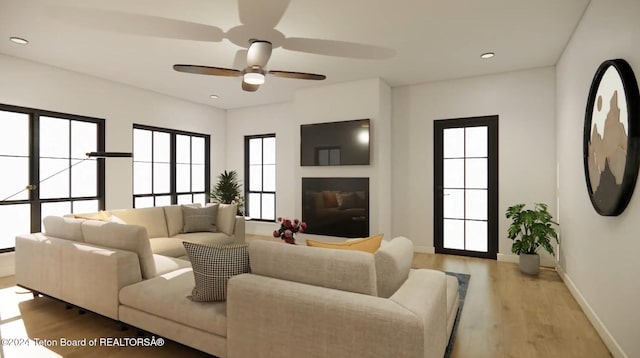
<point>335,143</point>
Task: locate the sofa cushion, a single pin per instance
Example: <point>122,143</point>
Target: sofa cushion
<point>124,237</point>
<point>167,246</point>
<point>200,219</point>
<point>64,228</point>
<point>206,238</point>
<point>166,296</point>
<point>352,271</point>
<point>393,262</point>
<point>213,266</point>
<point>173,215</point>
<point>166,264</point>
<point>367,244</point>
<point>150,218</point>
<point>226,219</point>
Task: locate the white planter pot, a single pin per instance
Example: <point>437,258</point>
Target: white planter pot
<point>530,264</point>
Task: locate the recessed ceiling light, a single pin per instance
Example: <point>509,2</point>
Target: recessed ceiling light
<point>214,96</point>
<point>487,55</point>
<point>18,40</point>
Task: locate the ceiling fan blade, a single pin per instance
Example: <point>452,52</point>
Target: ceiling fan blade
<point>337,48</point>
<point>240,60</point>
<point>259,53</point>
<point>298,75</point>
<point>206,70</point>
<point>262,14</point>
<point>137,24</point>
<point>249,87</point>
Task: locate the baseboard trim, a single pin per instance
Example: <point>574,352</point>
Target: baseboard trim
<point>602,330</point>
<point>7,264</point>
<point>424,249</point>
<point>508,258</point>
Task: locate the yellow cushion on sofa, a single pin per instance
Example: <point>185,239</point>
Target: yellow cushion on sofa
<point>368,244</point>
<point>100,216</point>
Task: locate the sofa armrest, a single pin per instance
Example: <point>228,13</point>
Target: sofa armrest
<point>425,294</point>
<point>268,317</point>
<point>39,263</point>
<point>239,230</point>
<point>79,273</point>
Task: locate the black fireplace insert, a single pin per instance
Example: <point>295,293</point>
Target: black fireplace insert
<point>336,206</point>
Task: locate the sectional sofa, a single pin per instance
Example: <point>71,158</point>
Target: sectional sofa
<point>165,226</point>
<point>298,301</point>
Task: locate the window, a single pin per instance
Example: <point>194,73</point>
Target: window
<point>169,167</point>
<point>260,176</point>
<point>45,152</point>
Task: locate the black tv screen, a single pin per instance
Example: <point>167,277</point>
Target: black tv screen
<point>335,143</point>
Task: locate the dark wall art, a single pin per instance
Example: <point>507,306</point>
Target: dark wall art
<point>612,137</point>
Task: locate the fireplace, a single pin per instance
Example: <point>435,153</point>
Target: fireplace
<point>336,206</point>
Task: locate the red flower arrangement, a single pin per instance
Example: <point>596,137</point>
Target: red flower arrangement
<point>288,228</point>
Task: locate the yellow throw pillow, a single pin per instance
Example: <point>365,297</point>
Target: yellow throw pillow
<point>367,244</point>
<point>100,216</point>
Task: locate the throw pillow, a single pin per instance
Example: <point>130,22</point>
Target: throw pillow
<point>368,244</point>
<point>226,219</point>
<point>115,219</point>
<point>100,216</point>
<point>213,266</point>
<point>200,219</point>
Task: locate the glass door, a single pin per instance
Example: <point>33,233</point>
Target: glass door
<point>466,186</point>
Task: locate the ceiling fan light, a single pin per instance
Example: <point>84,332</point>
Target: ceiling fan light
<point>253,78</point>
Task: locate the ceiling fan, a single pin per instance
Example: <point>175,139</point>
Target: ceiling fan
<point>253,75</point>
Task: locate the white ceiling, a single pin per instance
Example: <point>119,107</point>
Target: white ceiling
<point>430,39</point>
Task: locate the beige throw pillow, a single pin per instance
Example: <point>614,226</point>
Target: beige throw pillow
<point>200,219</point>
<point>226,220</point>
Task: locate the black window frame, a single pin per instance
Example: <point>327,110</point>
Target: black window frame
<point>492,124</point>
<point>34,164</point>
<point>247,182</point>
<point>173,193</point>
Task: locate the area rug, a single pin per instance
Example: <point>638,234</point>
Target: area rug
<point>463,284</point>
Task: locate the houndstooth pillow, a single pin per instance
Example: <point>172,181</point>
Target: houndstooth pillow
<point>213,266</point>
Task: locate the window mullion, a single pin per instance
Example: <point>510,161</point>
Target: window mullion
<point>69,166</point>
<point>173,188</point>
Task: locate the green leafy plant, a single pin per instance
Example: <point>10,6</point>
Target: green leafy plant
<point>531,229</point>
<point>228,190</point>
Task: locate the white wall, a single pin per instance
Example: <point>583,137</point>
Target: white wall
<point>599,254</point>
<point>524,102</point>
<point>29,84</point>
<point>338,102</point>
<point>278,119</point>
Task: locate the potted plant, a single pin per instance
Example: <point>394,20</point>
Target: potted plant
<point>228,190</point>
<point>530,230</point>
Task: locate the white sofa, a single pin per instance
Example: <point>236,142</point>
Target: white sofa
<point>298,301</point>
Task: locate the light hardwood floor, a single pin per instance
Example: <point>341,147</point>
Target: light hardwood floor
<point>505,314</point>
